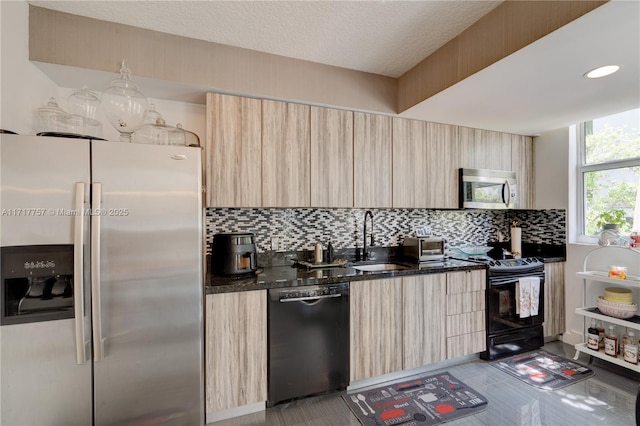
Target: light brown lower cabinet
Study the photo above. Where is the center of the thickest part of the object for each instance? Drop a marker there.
(554, 321)
(404, 323)
(466, 323)
(424, 315)
(236, 349)
(376, 327)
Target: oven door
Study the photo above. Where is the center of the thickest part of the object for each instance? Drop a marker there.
(502, 310)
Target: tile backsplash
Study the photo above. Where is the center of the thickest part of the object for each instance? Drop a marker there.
(295, 229)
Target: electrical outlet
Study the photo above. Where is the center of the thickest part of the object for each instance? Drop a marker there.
(275, 244)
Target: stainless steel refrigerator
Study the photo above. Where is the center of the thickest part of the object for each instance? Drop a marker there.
(101, 287)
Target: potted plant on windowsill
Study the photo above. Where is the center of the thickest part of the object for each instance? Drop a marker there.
(610, 222)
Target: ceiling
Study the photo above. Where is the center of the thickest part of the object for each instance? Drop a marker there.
(536, 89)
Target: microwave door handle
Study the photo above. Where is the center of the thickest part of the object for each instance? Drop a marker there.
(506, 200)
(78, 273)
(96, 305)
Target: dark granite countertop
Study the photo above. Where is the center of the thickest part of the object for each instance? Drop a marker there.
(292, 276)
(279, 272)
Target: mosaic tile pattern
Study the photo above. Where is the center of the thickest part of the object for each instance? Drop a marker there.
(299, 229)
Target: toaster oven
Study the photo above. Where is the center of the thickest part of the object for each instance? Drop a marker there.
(425, 249)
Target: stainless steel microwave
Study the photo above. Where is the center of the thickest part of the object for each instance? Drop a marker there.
(487, 189)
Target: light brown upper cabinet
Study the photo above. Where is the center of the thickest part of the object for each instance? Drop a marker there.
(425, 156)
(484, 149)
(372, 137)
(286, 148)
(233, 151)
(522, 164)
(331, 157)
(409, 167)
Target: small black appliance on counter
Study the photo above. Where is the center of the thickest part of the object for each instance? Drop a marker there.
(233, 254)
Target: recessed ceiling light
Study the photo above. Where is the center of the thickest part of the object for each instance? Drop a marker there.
(602, 71)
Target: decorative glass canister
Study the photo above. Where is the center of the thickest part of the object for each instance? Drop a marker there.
(124, 105)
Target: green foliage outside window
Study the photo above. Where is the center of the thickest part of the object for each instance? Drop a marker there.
(608, 191)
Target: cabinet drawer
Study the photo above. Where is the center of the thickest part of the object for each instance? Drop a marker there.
(461, 282)
(466, 344)
(465, 323)
(461, 303)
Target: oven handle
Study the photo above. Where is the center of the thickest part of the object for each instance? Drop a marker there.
(78, 273)
(493, 282)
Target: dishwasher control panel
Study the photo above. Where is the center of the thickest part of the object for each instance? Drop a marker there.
(309, 292)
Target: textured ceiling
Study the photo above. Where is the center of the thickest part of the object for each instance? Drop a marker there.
(382, 37)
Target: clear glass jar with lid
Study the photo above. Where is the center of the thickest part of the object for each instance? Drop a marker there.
(124, 105)
(156, 131)
(84, 104)
(50, 118)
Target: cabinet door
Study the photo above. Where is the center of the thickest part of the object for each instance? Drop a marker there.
(424, 164)
(285, 154)
(331, 157)
(522, 164)
(466, 315)
(376, 327)
(372, 160)
(410, 184)
(423, 320)
(440, 163)
(554, 321)
(235, 349)
(484, 149)
(233, 151)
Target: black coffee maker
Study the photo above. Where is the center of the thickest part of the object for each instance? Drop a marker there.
(233, 254)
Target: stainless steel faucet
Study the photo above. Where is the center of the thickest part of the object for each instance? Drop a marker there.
(365, 253)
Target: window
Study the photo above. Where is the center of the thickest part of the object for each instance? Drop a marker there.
(609, 172)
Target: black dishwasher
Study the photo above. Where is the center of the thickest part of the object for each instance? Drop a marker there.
(308, 341)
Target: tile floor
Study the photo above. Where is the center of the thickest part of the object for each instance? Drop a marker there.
(607, 398)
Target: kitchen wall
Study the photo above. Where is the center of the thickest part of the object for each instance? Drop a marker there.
(555, 170)
(299, 229)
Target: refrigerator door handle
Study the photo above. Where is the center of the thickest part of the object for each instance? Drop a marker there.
(78, 273)
(96, 306)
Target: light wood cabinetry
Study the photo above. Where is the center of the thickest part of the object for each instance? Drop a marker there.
(263, 153)
(372, 167)
(424, 340)
(376, 327)
(522, 164)
(484, 149)
(554, 316)
(409, 171)
(424, 164)
(286, 152)
(233, 151)
(465, 307)
(235, 349)
(442, 173)
(331, 157)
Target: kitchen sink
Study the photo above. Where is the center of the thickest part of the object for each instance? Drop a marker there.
(376, 267)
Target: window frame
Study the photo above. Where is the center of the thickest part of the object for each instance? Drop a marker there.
(585, 168)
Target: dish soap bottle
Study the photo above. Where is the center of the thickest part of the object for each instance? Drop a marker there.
(593, 336)
(611, 342)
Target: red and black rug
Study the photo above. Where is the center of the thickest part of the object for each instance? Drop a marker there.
(543, 370)
(425, 401)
